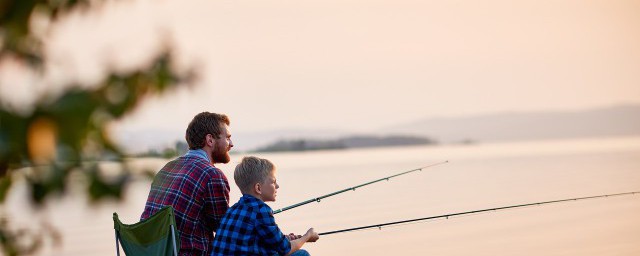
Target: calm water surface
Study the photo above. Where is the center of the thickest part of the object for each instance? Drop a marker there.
(477, 177)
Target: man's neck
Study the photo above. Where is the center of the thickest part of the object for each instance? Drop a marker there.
(202, 152)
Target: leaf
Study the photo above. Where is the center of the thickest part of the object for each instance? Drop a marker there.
(5, 184)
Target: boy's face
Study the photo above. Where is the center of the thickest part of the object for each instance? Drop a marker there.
(269, 188)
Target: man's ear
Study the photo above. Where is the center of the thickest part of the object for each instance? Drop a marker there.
(209, 139)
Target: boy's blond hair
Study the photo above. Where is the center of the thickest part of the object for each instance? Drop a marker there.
(251, 170)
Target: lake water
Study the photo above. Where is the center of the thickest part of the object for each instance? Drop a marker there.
(477, 177)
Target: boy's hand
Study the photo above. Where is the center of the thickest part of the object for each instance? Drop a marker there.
(293, 236)
(312, 235)
(296, 244)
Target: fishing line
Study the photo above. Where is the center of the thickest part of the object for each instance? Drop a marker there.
(318, 199)
(447, 216)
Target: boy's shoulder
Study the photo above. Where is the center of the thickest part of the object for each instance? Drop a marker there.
(251, 205)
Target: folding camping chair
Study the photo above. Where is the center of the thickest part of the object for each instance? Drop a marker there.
(153, 236)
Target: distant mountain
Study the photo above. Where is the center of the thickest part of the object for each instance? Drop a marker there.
(244, 141)
(136, 141)
(344, 143)
(612, 121)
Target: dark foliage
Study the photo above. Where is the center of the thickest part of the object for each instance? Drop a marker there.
(67, 134)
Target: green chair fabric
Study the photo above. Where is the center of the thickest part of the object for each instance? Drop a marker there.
(153, 236)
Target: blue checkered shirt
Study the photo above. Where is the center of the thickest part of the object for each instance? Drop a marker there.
(248, 228)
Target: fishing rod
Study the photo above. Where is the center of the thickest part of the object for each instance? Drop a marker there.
(446, 216)
(317, 199)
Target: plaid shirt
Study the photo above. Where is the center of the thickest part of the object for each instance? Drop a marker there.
(249, 228)
(199, 194)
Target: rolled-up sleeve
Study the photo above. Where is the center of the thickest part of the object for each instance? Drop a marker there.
(269, 233)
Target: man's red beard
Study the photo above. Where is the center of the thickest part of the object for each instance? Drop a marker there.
(220, 155)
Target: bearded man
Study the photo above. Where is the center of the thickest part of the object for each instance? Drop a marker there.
(193, 186)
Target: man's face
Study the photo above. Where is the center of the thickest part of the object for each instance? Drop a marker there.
(221, 147)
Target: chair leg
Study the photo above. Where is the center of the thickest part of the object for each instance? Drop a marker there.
(117, 245)
(173, 239)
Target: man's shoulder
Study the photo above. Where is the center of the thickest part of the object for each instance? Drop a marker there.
(195, 166)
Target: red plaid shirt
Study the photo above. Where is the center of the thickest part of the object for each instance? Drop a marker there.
(199, 194)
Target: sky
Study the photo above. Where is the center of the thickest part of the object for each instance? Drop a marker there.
(351, 65)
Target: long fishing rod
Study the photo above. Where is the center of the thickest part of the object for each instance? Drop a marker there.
(446, 216)
(317, 199)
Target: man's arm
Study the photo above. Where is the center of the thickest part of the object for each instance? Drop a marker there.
(310, 236)
(216, 201)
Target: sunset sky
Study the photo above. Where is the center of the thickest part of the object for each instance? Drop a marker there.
(354, 65)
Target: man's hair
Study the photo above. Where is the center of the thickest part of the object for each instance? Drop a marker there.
(203, 124)
(250, 171)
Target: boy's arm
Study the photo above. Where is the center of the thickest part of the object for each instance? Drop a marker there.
(310, 236)
(270, 236)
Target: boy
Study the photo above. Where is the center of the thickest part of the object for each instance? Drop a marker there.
(248, 227)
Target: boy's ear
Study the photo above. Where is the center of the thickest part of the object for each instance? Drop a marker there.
(257, 188)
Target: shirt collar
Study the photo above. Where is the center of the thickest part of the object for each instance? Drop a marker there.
(249, 199)
(198, 153)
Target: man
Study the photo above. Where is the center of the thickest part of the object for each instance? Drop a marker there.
(197, 190)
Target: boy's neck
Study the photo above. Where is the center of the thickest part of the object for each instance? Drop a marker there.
(254, 195)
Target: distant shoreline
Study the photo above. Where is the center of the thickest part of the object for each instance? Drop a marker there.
(360, 141)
